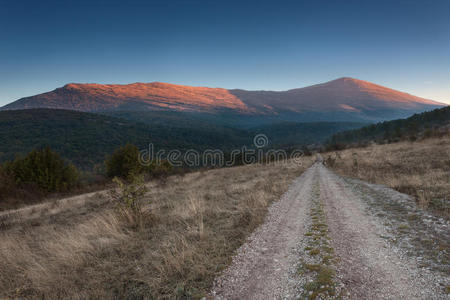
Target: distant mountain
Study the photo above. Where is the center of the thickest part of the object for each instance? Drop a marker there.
(136, 96)
(431, 123)
(343, 99)
(340, 99)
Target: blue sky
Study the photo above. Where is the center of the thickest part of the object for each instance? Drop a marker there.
(273, 45)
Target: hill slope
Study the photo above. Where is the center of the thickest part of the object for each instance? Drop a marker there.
(136, 96)
(86, 138)
(342, 99)
(294, 134)
(396, 129)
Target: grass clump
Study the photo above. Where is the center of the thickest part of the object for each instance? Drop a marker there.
(314, 252)
(447, 289)
(320, 253)
(312, 267)
(323, 283)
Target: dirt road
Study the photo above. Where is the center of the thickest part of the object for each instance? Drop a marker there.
(325, 239)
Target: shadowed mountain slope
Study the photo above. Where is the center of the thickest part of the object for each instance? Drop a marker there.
(344, 99)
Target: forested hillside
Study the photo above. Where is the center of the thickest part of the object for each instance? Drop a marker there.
(292, 134)
(423, 124)
(86, 138)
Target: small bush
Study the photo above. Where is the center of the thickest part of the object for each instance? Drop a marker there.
(330, 161)
(160, 170)
(42, 169)
(5, 182)
(128, 198)
(11, 196)
(124, 162)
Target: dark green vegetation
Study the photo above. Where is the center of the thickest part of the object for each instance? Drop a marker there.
(426, 124)
(83, 138)
(188, 120)
(291, 134)
(125, 163)
(86, 139)
(39, 173)
(238, 129)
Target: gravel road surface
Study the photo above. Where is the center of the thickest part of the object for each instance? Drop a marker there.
(368, 266)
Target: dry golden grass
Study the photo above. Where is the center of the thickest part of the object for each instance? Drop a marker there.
(420, 169)
(80, 248)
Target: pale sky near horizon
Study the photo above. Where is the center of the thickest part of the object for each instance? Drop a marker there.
(255, 45)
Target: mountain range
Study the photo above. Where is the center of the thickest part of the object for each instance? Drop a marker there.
(86, 122)
(343, 99)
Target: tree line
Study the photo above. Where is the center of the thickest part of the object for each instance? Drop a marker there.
(43, 172)
(423, 125)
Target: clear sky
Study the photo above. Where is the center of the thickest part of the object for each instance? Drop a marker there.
(273, 45)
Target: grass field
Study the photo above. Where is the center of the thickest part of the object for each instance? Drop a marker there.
(420, 169)
(80, 248)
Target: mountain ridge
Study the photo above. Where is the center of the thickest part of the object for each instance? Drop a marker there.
(346, 96)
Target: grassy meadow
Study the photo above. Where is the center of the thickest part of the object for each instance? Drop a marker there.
(82, 248)
(419, 168)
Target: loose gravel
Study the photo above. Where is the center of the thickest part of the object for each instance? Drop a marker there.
(265, 267)
(367, 264)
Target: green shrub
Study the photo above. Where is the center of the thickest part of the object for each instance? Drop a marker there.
(13, 196)
(43, 169)
(128, 197)
(160, 170)
(124, 162)
(6, 183)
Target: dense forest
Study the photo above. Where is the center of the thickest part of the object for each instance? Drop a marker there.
(85, 139)
(419, 125)
(292, 134)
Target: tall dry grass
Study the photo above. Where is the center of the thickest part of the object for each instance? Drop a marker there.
(420, 169)
(80, 248)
